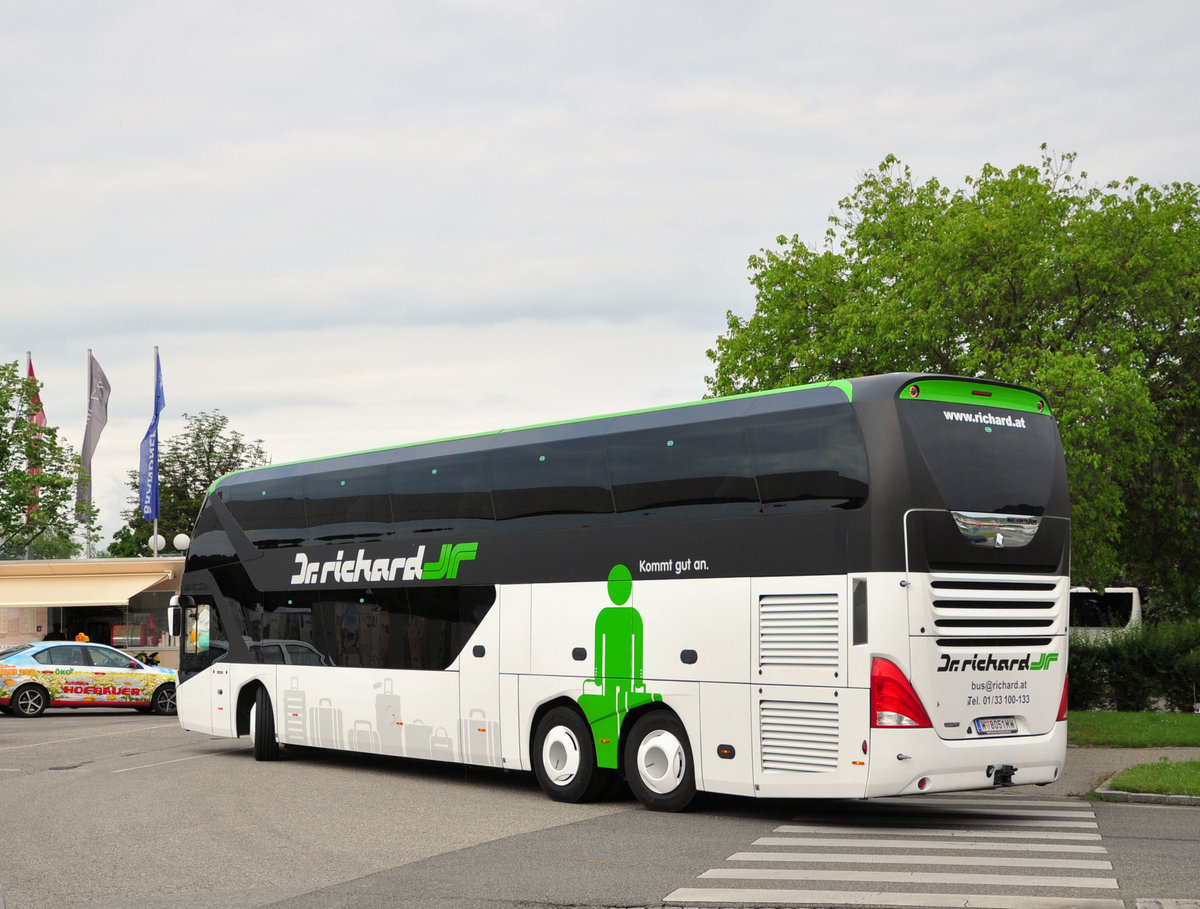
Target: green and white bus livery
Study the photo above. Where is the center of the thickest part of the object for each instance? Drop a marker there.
(851, 589)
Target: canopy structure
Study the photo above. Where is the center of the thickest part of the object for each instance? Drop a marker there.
(85, 582)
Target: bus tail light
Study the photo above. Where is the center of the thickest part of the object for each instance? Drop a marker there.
(1062, 705)
(894, 703)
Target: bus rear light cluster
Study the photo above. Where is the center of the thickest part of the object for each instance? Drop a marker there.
(894, 703)
(1062, 705)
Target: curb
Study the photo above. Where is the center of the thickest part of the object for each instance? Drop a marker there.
(1148, 798)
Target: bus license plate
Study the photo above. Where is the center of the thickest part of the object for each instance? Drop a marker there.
(996, 725)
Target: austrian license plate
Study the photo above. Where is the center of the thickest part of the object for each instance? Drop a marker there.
(996, 725)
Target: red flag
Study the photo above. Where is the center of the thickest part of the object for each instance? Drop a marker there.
(38, 419)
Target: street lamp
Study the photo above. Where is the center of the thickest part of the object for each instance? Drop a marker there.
(182, 541)
(157, 544)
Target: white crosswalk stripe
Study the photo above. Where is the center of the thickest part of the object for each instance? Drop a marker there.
(978, 852)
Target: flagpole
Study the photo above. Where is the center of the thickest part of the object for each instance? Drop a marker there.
(28, 370)
(87, 534)
(154, 537)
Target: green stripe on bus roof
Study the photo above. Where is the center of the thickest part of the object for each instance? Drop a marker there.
(841, 384)
(967, 392)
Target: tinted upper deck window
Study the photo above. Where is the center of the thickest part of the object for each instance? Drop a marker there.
(440, 489)
(692, 464)
(566, 476)
(808, 455)
(348, 504)
(270, 510)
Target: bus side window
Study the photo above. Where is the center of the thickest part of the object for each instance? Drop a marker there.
(197, 621)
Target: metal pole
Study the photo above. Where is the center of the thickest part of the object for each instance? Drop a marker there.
(154, 538)
(88, 503)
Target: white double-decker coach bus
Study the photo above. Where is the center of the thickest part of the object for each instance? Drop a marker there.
(857, 588)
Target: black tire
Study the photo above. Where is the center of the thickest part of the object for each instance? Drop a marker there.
(564, 758)
(162, 701)
(658, 762)
(30, 701)
(262, 728)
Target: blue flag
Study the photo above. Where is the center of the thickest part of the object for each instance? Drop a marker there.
(148, 463)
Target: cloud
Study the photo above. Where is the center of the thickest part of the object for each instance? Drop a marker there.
(356, 225)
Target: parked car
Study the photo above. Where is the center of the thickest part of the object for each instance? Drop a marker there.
(71, 674)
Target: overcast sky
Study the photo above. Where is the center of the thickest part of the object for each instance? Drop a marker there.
(350, 225)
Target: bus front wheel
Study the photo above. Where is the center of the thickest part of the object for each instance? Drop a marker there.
(262, 728)
(564, 757)
(658, 762)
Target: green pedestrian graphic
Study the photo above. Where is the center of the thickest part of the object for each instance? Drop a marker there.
(618, 669)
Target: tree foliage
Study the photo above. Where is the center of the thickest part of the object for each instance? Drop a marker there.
(37, 511)
(188, 464)
(1088, 293)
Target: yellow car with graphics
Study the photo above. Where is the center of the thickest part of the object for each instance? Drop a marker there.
(74, 674)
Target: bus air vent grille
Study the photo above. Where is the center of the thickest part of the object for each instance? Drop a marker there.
(798, 630)
(798, 736)
(991, 603)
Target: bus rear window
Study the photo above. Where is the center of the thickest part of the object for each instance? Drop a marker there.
(986, 459)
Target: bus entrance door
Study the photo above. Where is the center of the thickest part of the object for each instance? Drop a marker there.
(479, 695)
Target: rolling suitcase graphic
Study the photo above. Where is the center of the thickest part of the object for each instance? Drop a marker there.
(363, 738)
(294, 725)
(387, 718)
(326, 724)
(480, 739)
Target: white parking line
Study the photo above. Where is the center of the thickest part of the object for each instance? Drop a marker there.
(175, 760)
(82, 738)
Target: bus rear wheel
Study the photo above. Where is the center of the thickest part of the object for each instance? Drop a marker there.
(564, 757)
(262, 728)
(658, 762)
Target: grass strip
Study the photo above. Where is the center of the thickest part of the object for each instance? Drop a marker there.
(1132, 730)
(1160, 778)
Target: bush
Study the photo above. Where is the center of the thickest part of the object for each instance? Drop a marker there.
(1154, 666)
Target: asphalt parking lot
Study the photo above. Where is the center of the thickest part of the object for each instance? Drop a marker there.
(113, 808)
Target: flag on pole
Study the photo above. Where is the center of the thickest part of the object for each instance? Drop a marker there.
(97, 418)
(38, 418)
(148, 463)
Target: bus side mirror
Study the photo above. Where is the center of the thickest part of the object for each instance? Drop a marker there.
(175, 614)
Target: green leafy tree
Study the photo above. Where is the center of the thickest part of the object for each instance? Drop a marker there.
(37, 511)
(1091, 294)
(188, 464)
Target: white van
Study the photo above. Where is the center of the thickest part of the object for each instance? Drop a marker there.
(1094, 613)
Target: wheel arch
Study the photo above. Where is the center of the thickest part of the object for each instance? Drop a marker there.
(247, 695)
(541, 711)
(24, 686)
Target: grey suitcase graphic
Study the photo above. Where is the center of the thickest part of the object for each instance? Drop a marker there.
(480, 739)
(416, 739)
(362, 737)
(388, 719)
(441, 746)
(326, 724)
(295, 725)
